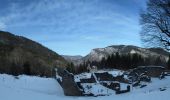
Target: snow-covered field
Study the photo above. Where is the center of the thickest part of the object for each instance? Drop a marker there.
(36, 88)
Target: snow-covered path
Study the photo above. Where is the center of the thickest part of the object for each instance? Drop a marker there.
(36, 88)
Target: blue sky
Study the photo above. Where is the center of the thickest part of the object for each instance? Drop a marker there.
(73, 27)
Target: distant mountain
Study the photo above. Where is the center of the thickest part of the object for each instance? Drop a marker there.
(19, 55)
(74, 59)
(99, 53)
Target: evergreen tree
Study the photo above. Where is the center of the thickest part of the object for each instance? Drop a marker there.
(27, 68)
(158, 61)
(117, 60)
(70, 67)
(102, 63)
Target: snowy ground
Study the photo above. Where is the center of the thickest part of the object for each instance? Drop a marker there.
(36, 88)
(86, 75)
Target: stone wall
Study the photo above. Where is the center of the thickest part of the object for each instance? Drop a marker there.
(88, 80)
(104, 76)
(152, 71)
(68, 84)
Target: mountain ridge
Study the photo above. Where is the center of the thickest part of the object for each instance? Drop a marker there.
(98, 53)
(73, 59)
(20, 55)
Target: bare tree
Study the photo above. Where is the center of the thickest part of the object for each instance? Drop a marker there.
(155, 23)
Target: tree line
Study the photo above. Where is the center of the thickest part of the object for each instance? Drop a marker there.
(127, 61)
(119, 61)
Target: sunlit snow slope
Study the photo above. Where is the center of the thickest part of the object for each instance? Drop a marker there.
(36, 88)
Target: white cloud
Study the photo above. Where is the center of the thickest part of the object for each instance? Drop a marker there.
(81, 21)
(2, 26)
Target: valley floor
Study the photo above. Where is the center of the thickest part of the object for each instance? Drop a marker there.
(35, 88)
